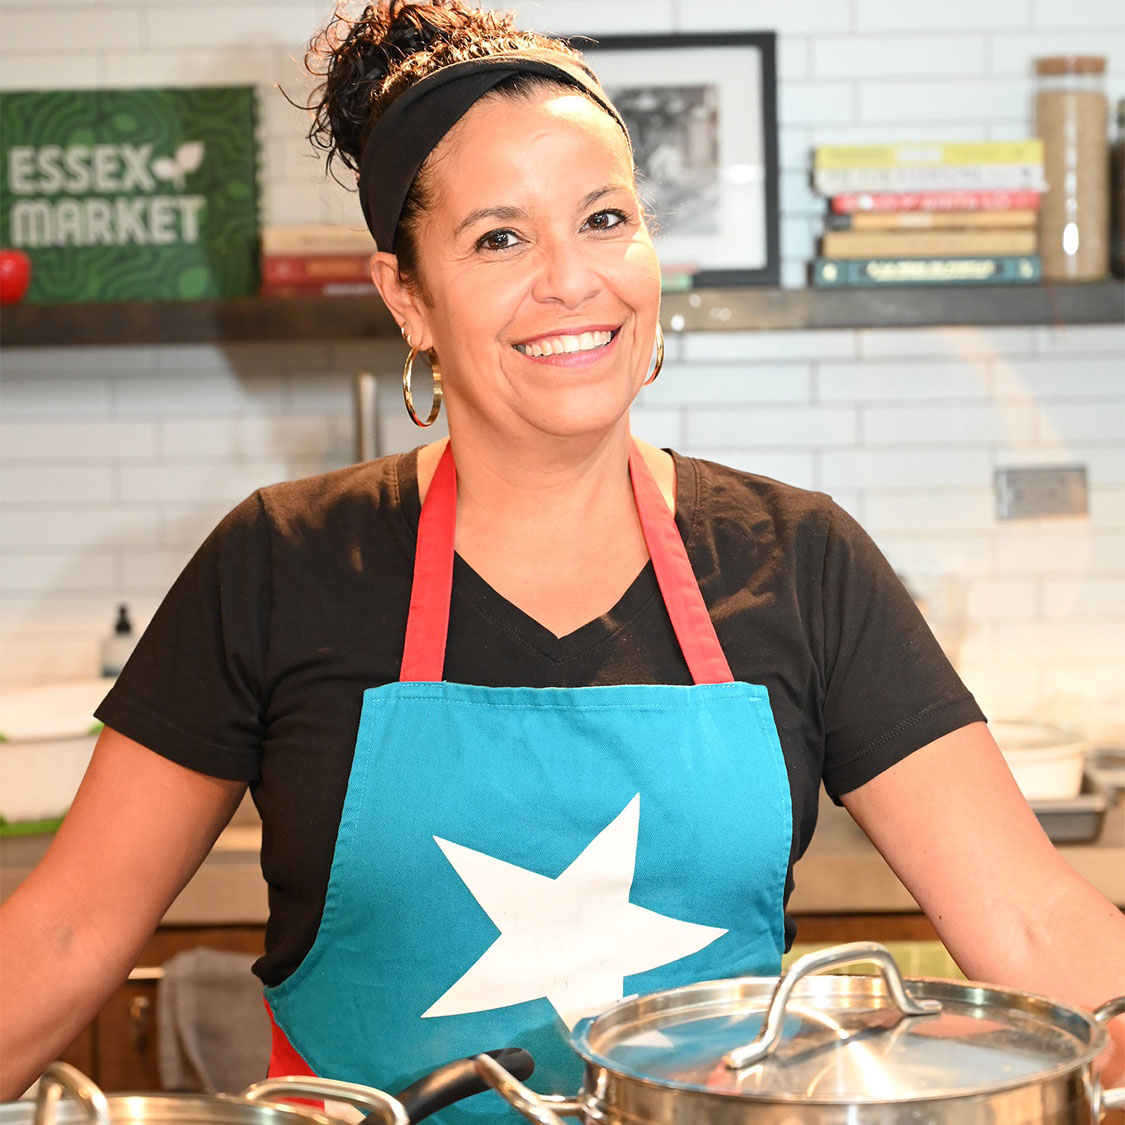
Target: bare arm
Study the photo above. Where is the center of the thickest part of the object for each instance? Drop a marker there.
(953, 825)
(139, 827)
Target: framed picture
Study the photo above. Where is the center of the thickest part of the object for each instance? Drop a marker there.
(702, 112)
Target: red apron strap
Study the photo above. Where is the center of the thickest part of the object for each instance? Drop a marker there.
(423, 654)
(427, 626)
(682, 598)
(284, 1057)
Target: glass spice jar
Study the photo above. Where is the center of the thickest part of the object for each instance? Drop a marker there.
(1071, 117)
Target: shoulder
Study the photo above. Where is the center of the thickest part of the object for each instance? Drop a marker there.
(756, 529)
(319, 516)
(364, 491)
(764, 508)
(378, 481)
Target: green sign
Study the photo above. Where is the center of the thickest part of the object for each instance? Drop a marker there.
(120, 195)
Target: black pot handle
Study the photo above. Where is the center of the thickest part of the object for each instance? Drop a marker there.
(458, 1080)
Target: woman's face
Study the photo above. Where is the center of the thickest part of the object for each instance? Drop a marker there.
(538, 285)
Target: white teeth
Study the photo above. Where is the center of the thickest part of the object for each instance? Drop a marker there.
(562, 345)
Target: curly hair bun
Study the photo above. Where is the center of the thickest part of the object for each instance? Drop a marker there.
(366, 62)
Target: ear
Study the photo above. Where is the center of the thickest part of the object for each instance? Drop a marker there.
(403, 299)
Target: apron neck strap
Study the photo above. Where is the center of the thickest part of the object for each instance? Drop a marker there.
(678, 585)
(427, 626)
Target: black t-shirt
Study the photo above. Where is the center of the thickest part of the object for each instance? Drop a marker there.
(254, 667)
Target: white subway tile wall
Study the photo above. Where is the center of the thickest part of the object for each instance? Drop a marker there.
(117, 461)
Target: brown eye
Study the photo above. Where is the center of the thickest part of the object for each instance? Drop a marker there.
(497, 240)
(605, 220)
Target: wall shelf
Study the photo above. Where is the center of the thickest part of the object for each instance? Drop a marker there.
(900, 307)
(359, 318)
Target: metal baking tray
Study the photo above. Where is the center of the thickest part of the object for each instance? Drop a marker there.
(1107, 764)
(1075, 820)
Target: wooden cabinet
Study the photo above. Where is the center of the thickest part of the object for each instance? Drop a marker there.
(118, 1049)
(839, 928)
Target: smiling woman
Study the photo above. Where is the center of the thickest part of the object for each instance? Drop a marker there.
(536, 717)
(534, 260)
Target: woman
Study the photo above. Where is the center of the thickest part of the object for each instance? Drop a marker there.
(504, 787)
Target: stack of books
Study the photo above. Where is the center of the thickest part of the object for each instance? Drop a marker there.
(924, 214)
(321, 260)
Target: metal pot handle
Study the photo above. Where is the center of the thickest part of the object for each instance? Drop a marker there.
(1115, 1098)
(388, 1108)
(60, 1078)
(535, 1107)
(770, 1035)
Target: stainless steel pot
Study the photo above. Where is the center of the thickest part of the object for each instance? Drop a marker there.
(832, 1050)
(88, 1104)
(67, 1097)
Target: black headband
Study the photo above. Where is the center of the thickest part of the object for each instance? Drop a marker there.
(418, 119)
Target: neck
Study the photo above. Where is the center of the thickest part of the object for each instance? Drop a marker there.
(544, 509)
(511, 478)
(555, 532)
(550, 481)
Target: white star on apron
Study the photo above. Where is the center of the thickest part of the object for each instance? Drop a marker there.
(572, 939)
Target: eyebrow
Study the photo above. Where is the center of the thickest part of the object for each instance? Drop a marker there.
(507, 214)
(502, 213)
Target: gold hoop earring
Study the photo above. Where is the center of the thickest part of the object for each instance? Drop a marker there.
(659, 356)
(407, 393)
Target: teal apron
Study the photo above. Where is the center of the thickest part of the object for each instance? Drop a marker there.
(510, 860)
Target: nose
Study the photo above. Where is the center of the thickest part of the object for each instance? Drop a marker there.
(565, 274)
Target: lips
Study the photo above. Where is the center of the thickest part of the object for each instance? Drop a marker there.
(577, 343)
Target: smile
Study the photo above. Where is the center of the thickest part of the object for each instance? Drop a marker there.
(566, 345)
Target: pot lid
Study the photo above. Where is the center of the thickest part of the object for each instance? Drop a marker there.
(837, 1038)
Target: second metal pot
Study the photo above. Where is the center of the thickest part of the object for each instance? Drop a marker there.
(67, 1097)
(833, 1050)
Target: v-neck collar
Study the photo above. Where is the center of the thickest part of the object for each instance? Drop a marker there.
(508, 617)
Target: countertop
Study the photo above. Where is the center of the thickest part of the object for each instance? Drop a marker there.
(840, 874)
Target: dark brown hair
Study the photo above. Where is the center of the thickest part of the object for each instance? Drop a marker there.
(367, 62)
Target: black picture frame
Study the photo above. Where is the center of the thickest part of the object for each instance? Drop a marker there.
(719, 225)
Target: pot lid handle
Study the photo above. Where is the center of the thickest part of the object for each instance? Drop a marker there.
(770, 1035)
(387, 1108)
(61, 1078)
